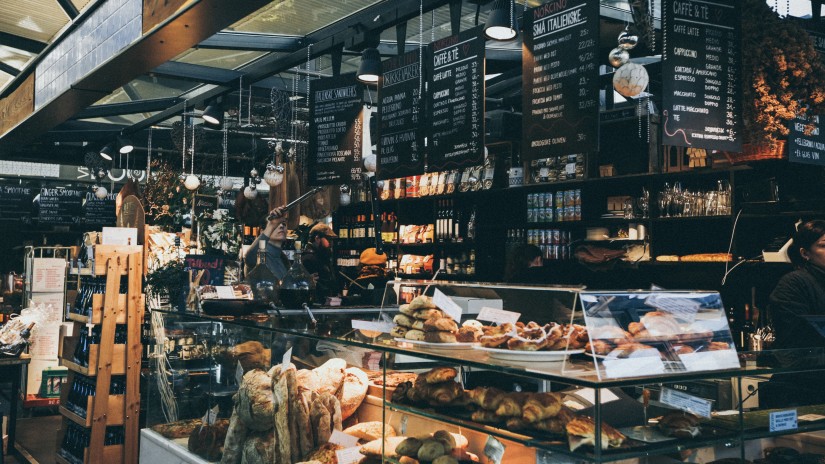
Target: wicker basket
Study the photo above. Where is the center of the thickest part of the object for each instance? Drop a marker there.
(752, 152)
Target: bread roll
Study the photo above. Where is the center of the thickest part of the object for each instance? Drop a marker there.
(398, 331)
(373, 448)
(428, 313)
(409, 447)
(405, 309)
(421, 302)
(446, 439)
(413, 334)
(418, 324)
(403, 320)
(430, 449)
(446, 459)
(440, 337)
(446, 324)
(354, 392)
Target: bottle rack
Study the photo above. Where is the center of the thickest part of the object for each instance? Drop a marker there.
(100, 421)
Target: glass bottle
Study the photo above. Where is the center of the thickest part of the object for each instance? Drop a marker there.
(298, 285)
(263, 282)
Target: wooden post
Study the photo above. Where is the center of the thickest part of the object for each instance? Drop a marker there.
(135, 307)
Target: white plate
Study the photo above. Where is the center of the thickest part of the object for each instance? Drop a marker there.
(516, 355)
(438, 346)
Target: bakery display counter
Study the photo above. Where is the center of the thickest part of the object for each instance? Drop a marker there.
(546, 390)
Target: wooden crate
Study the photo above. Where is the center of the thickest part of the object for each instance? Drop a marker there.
(118, 357)
(110, 454)
(97, 310)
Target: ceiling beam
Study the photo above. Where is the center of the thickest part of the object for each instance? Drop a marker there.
(196, 72)
(68, 8)
(252, 42)
(117, 109)
(21, 43)
(9, 69)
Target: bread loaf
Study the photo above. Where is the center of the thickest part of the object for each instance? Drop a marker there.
(331, 376)
(259, 448)
(235, 437)
(280, 395)
(254, 401)
(354, 391)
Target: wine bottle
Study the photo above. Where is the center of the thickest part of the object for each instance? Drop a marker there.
(747, 328)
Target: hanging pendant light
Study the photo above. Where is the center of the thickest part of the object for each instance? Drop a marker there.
(125, 145)
(370, 67)
(213, 114)
(107, 152)
(501, 21)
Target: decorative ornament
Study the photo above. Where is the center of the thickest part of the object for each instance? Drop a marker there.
(192, 182)
(371, 162)
(226, 184)
(250, 192)
(630, 79)
(346, 195)
(380, 184)
(100, 191)
(618, 57)
(274, 174)
(253, 173)
(101, 174)
(628, 41)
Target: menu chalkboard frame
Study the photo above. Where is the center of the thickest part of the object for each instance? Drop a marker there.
(407, 74)
(346, 90)
(22, 208)
(102, 204)
(692, 117)
(560, 80)
(458, 149)
(67, 211)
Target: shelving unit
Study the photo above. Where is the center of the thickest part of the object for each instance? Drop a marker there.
(106, 359)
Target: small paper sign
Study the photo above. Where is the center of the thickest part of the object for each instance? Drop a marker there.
(239, 373)
(676, 305)
(286, 360)
(633, 367)
(211, 416)
(494, 449)
(349, 455)
(373, 326)
(710, 360)
(403, 425)
(343, 439)
(781, 421)
(225, 292)
(447, 305)
(499, 316)
(692, 404)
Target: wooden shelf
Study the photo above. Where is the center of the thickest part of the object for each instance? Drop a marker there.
(97, 310)
(118, 358)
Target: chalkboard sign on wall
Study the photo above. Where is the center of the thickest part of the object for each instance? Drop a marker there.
(335, 130)
(60, 206)
(701, 75)
(16, 203)
(401, 140)
(560, 79)
(100, 211)
(456, 101)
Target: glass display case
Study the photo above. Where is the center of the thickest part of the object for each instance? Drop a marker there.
(551, 374)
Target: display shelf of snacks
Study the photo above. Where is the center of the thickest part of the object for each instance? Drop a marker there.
(453, 353)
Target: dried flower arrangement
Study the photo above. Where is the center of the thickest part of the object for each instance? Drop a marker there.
(782, 71)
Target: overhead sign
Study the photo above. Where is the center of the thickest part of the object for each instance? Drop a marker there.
(701, 75)
(560, 79)
(335, 130)
(456, 101)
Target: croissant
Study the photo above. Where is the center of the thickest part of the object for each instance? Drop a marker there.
(483, 415)
(516, 423)
(540, 406)
(555, 424)
(486, 397)
(439, 374)
(511, 404)
(443, 393)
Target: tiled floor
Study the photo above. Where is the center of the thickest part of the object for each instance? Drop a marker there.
(38, 436)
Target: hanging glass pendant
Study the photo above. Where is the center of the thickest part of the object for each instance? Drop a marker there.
(192, 182)
(226, 184)
(250, 192)
(274, 174)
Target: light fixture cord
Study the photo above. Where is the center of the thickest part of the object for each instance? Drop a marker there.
(293, 107)
(420, 45)
(309, 53)
(240, 102)
(432, 25)
(512, 6)
(149, 154)
(183, 145)
(225, 149)
(249, 106)
(192, 160)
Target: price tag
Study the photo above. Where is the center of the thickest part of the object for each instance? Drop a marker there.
(286, 360)
(239, 373)
(210, 416)
(225, 292)
(494, 449)
(373, 326)
(403, 424)
(783, 420)
(498, 316)
(343, 439)
(570, 169)
(349, 455)
(692, 404)
(447, 305)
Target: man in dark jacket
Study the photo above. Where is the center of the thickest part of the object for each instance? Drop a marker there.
(317, 259)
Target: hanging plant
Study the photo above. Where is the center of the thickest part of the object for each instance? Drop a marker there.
(782, 74)
(164, 199)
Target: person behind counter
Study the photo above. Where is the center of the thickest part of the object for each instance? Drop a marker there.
(317, 259)
(801, 293)
(274, 233)
(523, 264)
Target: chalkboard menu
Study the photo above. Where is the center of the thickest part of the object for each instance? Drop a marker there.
(560, 79)
(806, 148)
(60, 206)
(16, 203)
(100, 211)
(401, 137)
(335, 130)
(456, 101)
(205, 204)
(701, 75)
